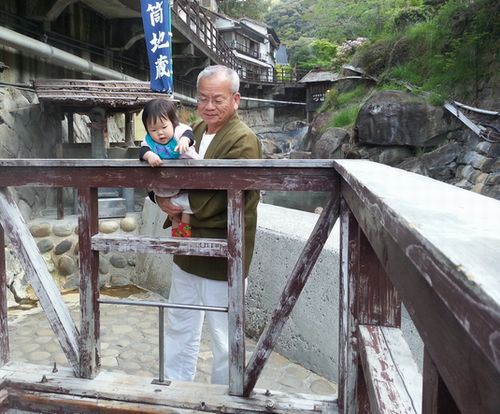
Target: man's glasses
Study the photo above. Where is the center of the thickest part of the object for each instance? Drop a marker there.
(216, 101)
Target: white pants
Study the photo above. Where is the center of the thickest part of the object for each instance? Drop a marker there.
(183, 327)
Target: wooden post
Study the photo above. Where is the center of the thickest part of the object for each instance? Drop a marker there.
(236, 289)
(89, 283)
(71, 128)
(436, 398)
(129, 129)
(98, 123)
(367, 297)
(4, 331)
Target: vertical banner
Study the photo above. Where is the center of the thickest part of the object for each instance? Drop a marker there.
(156, 19)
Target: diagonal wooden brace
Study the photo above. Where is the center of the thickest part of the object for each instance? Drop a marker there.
(39, 277)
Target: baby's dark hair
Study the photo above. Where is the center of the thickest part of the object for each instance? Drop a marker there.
(157, 109)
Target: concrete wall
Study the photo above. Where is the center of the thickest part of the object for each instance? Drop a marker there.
(310, 337)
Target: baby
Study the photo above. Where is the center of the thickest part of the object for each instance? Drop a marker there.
(167, 138)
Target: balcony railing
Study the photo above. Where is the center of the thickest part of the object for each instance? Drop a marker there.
(404, 239)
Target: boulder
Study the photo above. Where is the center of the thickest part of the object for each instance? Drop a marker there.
(400, 118)
(314, 132)
(329, 144)
(440, 164)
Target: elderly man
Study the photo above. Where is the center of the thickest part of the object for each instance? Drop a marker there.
(203, 280)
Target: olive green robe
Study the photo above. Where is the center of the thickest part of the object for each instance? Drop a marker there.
(235, 140)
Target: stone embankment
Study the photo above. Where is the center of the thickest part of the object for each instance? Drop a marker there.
(57, 241)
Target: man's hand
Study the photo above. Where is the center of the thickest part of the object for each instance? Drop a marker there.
(166, 205)
(152, 159)
(182, 145)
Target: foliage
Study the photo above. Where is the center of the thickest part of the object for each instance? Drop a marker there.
(346, 117)
(254, 9)
(286, 17)
(311, 54)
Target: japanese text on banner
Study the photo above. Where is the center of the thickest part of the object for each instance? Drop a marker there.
(156, 19)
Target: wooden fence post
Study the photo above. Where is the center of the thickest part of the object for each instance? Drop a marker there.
(435, 395)
(236, 289)
(4, 331)
(89, 283)
(366, 297)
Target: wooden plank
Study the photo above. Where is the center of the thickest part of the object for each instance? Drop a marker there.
(393, 382)
(367, 297)
(436, 398)
(190, 246)
(4, 401)
(292, 290)
(4, 328)
(463, 273)
(236, 289)
(50, 403)
(237, 174)
(89, 283)
(39, 277)
(124, 388)
(441, 291)
(348, 354)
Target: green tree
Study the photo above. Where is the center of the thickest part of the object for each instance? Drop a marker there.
(313, 53)
(254, 9)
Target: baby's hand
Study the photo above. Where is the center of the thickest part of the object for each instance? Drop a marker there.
(153, 159)
(182, 145)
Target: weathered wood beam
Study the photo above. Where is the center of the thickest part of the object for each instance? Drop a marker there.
(39, 277)
(236, 174)
(436, 398)
(292, 290)
(393, 382)
(157, 245)
(367, 297)
(236, 292)
(89, 283)
(23, 379)
(438, 296)
(4, 328)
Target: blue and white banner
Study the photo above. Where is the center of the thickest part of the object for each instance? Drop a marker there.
(157, 22)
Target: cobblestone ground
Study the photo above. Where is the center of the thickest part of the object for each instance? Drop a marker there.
(129, 344)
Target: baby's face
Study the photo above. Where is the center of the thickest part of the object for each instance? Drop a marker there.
(161, 130)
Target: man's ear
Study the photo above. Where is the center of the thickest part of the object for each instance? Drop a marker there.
(237, 99)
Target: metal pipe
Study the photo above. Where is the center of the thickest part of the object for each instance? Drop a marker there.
(162, 305)
(161, 344)
(53, 55)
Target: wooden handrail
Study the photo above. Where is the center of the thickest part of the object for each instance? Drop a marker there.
(404, 238)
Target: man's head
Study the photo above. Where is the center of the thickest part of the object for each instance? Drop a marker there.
(218, 96)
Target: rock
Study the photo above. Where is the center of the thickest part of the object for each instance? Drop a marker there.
(119, 280)
(62, 230)
(317, 126)
(45, 245)
(300, 155)
(49, 262)
(131, 261)
(66, 265)
(103, 266)
(329, 144)
(394, 155)
(118, 261)
(40, 229)
(76, 250)
(108, 226)
(72, 282)
(400, 118)
(63, 246)
(128, 224)
(439, 164)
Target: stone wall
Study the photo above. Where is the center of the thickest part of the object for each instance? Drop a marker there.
(57, 241)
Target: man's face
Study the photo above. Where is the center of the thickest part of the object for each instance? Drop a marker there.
(216, 102)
